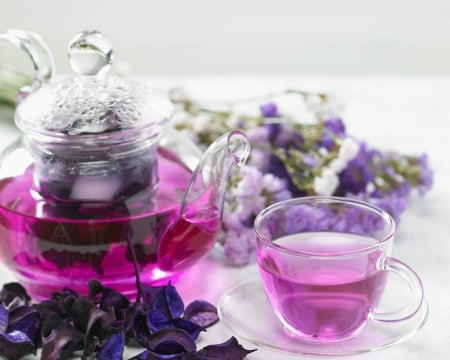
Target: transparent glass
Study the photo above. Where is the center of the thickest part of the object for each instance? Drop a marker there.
(88, 193)
(324, 263)
(51, 243)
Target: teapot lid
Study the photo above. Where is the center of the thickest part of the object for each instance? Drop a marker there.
(91, 102)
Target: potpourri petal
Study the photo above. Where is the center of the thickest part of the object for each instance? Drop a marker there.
(68, 325)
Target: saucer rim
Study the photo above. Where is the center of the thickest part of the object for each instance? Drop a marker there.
(422, 315)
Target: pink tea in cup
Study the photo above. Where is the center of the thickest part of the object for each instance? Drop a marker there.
(331, 300)
(324, 264)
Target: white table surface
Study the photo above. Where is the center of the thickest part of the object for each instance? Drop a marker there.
(407, 114)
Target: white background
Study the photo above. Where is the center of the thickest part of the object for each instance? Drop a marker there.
(253, 36)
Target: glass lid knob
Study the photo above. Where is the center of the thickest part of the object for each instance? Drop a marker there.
(90, 53)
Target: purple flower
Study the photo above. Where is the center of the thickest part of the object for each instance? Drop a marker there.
(14, 341)
(336, 126)
(358, 173)
(283, 135)
(333, 128)
(392, 203)
(259, 159)
(310, 160)
(403, 189)
(239, 247)
(258, 134)
(269, 110)
(426, 175)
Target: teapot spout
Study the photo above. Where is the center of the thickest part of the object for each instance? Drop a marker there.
(197, 226)
(209, 180)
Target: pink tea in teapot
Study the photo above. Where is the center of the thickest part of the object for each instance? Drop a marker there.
(53, 245)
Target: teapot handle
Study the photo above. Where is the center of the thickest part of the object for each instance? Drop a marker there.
(37, 50)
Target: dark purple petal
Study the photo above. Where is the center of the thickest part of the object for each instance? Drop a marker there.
(149, 294)
(169, 347)
(229, 350)
(25, 319)
(150, 355)
(157, 320)
(138, 327)
(169, 301)
(172, 338)
(97, 328)
(4, 318)
(95, 289)
(114, 301)
(16, 345)
(59, 338)
(60, 343)
(13, 295)
(190, 327)
(113, 348)
(47, 308)
(85, 314)
(201, 313)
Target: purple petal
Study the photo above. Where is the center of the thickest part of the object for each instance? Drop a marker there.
(169, 348)
(190, 327)
(59, 338)
(16, 345)
(25, 319)
(149, 294)
(150, 355)
(114, 300)
(13, 295)
(229, 350)
(157, 320)
(85, 314)
(113, 348)
(269, 110)
(336, 126)
(202, 313)
(172, 338)
(4, 318)
(95, 289)
(139, 328)
(169, 301)
(107, 297)
(56, 344)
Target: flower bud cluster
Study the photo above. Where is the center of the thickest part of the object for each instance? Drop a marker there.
(293, 156)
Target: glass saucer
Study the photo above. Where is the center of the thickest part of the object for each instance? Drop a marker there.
(245, 310)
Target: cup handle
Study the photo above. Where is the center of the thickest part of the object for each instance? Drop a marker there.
(414, 283)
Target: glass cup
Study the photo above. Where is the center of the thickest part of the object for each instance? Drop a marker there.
(324, 264)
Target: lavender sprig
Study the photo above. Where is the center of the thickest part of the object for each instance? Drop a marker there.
(306, 152)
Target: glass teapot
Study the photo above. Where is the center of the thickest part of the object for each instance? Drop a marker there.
(87, 192)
